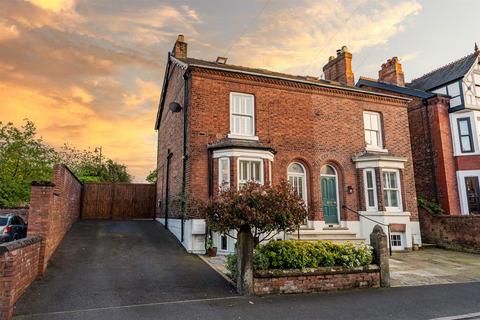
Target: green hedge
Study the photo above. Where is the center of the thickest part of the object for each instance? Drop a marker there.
(294, 254)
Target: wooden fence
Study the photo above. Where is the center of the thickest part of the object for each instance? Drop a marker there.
(118, 201)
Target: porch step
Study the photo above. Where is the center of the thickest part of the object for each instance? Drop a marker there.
(337, 235)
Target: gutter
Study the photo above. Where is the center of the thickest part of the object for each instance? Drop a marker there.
(351, 89)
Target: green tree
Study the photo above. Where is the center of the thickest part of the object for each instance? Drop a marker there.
(152, 176)
(23, 159)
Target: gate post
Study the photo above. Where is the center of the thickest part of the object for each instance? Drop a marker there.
(379, 242)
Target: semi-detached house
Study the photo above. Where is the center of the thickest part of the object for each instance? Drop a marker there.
(344, 149)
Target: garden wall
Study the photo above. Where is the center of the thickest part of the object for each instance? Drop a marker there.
(21, 211)
(19, 261)
(315, 280)
(54, 207)
(451, 232)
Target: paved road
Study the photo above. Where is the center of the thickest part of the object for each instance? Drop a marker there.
(116, 263)
(136, 270)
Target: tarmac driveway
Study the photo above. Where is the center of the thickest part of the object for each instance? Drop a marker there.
(108, 264)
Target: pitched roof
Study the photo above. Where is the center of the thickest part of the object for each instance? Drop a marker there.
(278, 75)
(393, 88)
(238, 143)
(448, 73)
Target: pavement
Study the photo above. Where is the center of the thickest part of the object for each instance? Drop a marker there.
(105, 264)
(433, 266)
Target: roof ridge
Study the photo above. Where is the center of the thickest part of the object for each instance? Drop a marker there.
(444, 66)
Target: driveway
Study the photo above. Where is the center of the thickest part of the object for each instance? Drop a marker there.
(433, 266)
(112, 264)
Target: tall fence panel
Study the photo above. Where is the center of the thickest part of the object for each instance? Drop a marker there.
(118, 201)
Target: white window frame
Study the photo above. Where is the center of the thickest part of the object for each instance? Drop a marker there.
(304, 180)
(220, 238)
(374, 188)
(474, 126)
(261, 171)
(399, 189)
(235, 135)
(220, 176)
(379, 132)
(401, 237)
(470, 136)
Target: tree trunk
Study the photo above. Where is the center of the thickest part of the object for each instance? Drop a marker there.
(245, 245)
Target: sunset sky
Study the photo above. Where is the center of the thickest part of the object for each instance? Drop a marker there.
(89, 72)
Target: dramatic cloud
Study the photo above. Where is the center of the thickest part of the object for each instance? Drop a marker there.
(89, 72)
(300, 39)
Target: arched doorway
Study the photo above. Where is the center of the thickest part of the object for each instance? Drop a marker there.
(329, 186)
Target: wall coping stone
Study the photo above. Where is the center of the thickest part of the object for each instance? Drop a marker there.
(14, 208)
(43, 184)
(280, 273)
(18, 244)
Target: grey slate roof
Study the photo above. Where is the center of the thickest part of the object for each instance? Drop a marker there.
(238, 143)
(393, 88)
(450, 72)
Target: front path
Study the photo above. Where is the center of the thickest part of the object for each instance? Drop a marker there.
(111, 264)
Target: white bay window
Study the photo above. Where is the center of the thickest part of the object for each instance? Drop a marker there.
(249, 170)
(224, 173)
(370, 189)
(391, 190)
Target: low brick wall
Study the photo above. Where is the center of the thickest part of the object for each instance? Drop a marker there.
(19, 262)
(451, 232)
(21, 211)
(315, 280)
(54, 207)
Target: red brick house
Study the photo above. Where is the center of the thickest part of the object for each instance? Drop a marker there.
(337, 144)
(444, 119)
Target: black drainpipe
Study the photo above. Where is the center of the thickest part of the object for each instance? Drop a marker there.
(432, 157)
(185, 156)
(167, 200)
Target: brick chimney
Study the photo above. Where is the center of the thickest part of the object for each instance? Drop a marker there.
(180, 48)
(340, 68)
(392, 73)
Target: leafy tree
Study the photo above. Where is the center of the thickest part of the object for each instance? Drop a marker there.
(256, 212)
(23, 159)
(152, 176)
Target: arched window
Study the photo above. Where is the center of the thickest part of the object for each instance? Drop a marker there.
(297, 176)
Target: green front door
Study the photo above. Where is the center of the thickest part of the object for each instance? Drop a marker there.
(329, 199)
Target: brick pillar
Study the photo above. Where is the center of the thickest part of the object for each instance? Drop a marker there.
(379, 242)
(445, 168)
(41, 200)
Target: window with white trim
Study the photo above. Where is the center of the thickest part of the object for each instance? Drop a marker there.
(370, 189)
(249, 170)
(476, 78)
(242, 114)
(224, 242)
(391, 190)
(454, 91)
(224, 173)
(396, 240)
(373, 129)
(297, 177)
(465, 135)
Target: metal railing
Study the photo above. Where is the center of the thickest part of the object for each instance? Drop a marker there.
(375, 221)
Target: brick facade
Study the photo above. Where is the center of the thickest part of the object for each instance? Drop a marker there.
(54, 207)
(298, 121)
(19, 262)
(315, 280)
(451, 232)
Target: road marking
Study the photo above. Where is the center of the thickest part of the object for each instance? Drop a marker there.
(468, 316)
(129, 306)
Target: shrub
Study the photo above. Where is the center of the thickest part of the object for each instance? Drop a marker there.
(294, 254)
(431, 206)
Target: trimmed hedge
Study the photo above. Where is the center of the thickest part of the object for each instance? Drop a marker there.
(295, 254)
